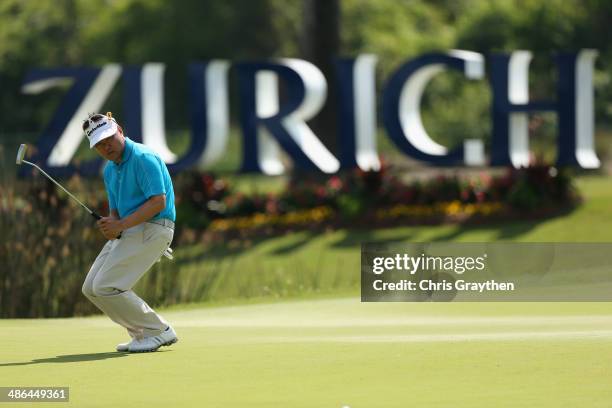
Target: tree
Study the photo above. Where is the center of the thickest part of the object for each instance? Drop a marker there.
(320, 45)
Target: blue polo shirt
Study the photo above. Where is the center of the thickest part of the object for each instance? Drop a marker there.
(140, 175)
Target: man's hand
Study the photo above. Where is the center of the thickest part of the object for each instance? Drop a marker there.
(110, 227)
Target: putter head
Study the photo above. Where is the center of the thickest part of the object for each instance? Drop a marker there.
(21, 153)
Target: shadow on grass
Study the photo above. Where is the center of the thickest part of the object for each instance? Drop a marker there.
(514, 231)
(502, 231)
(222, 250)
(69, 358)
(299, 240)
(354, 238)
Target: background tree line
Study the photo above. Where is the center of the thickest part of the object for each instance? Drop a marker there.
(47, 33)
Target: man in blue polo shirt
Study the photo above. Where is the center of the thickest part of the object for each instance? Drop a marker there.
(139, 229)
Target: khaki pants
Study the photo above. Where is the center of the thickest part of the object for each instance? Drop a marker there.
(118, 267)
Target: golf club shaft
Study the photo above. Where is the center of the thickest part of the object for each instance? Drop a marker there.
(93, 213)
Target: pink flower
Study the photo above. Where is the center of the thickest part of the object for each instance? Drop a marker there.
(335, 183)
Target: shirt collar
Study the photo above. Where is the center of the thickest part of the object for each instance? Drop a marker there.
(127, 151)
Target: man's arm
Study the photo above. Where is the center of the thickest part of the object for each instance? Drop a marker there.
(111, 227)
(154, 205)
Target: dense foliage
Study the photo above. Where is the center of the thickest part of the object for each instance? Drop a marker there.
(83, 32)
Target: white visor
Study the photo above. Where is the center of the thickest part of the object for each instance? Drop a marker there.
(100, 130)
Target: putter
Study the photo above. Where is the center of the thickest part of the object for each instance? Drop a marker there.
(20, 155)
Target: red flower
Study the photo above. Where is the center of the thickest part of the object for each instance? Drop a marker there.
(321, 192)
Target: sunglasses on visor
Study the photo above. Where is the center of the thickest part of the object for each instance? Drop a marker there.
(92, 120)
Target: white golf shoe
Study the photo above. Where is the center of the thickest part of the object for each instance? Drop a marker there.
(152, 343)
(124, 346)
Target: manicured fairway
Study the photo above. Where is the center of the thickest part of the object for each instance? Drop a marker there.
(329, 353)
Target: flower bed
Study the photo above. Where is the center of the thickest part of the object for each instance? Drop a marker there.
(370, 199)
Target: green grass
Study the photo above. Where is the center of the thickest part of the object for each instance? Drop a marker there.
(329, 353)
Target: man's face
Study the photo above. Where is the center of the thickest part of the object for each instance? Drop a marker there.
(111, 148)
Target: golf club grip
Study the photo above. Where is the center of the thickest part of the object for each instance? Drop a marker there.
(97, 217)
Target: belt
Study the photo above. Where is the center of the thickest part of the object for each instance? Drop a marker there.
(163, 221)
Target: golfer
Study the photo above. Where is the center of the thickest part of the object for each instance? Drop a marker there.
(139, 230)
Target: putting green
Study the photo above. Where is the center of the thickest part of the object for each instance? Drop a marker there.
(329, 353)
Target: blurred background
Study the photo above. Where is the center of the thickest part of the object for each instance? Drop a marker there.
(243, 236)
